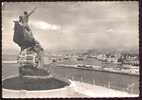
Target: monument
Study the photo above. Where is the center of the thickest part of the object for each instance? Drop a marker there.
(31, 55)
(33, 76)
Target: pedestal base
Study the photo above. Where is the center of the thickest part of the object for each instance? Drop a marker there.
(31, 84)
(32, 71)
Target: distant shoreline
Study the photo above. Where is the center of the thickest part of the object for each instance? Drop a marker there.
(137, 74)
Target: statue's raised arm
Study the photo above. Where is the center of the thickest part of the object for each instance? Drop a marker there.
(32, 11)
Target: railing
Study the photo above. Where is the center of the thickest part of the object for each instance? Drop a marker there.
(107, 79)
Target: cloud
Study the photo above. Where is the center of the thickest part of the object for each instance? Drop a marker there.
(77, 25)
(44, 25)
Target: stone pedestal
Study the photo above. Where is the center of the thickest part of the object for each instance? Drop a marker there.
(29, 87)
(32, 71)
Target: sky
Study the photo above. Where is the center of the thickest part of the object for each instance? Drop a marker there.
(75, 25)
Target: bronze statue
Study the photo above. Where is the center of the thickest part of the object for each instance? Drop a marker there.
(31, 55)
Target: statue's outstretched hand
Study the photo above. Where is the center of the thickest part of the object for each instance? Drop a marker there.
(32, 11)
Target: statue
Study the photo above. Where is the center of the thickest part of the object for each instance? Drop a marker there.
(31, 54)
